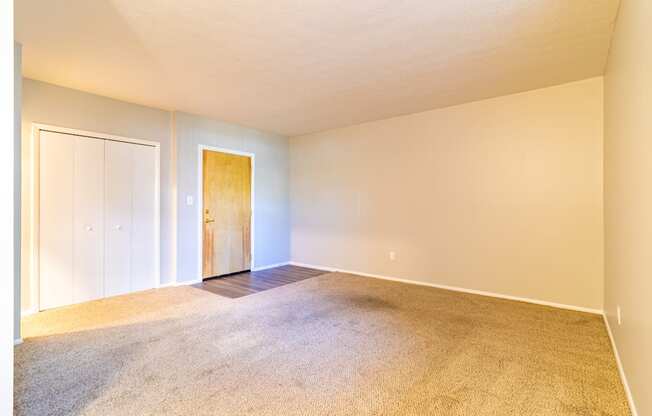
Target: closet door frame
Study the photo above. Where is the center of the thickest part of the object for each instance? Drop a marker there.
(35, 163)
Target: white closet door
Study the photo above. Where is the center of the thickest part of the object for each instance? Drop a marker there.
(119, 177)
(98, 218)
(144, 221)
(88, 220)
(57, 161)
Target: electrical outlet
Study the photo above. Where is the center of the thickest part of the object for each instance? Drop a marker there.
(392, 255)
(620, 319)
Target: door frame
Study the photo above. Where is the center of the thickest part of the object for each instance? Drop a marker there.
(200, 203)
(34, 209)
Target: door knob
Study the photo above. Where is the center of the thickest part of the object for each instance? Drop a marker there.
(118, 227)
(207, 218)
(89, 228)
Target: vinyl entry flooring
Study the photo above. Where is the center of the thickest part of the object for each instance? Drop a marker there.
(242, 284)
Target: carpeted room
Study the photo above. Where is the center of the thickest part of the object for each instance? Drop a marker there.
(334, 344)
(376, 208)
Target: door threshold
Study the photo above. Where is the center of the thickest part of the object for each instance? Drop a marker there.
(226, 275)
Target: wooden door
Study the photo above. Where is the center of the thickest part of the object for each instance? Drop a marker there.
(226, 213)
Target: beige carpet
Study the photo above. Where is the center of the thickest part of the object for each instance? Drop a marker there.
(332, 345)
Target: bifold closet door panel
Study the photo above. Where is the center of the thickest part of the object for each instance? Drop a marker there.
(88, 221)
(118, 179)
(56, 187)
(144, 221)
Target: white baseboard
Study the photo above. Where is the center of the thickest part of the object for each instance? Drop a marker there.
(269, 266)
(28, 312)
(184, 283)
(454, 288)
(188, 283)
(319, 267)
(621, 370)
(18, 341)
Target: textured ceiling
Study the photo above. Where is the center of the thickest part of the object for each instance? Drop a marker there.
(297, 66)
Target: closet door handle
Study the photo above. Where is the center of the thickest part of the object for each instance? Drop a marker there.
(89, 228)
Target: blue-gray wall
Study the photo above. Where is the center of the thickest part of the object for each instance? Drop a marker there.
(271, 183)
(180, 134)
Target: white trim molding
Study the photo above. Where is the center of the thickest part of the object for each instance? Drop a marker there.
(37, 127)
(18, 341)
(621, 369)
(200, 202)
(27, 312)
(454, 288)
(188, 282)
(182, 283)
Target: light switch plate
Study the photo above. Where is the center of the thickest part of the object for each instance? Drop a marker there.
(190, 200)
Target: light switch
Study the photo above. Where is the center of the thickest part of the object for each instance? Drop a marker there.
(189, 200)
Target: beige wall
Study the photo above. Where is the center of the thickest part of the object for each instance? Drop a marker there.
(50, 104)
(502, 195)
(628, 195)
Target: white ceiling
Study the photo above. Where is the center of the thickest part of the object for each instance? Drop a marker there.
(299, 66)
